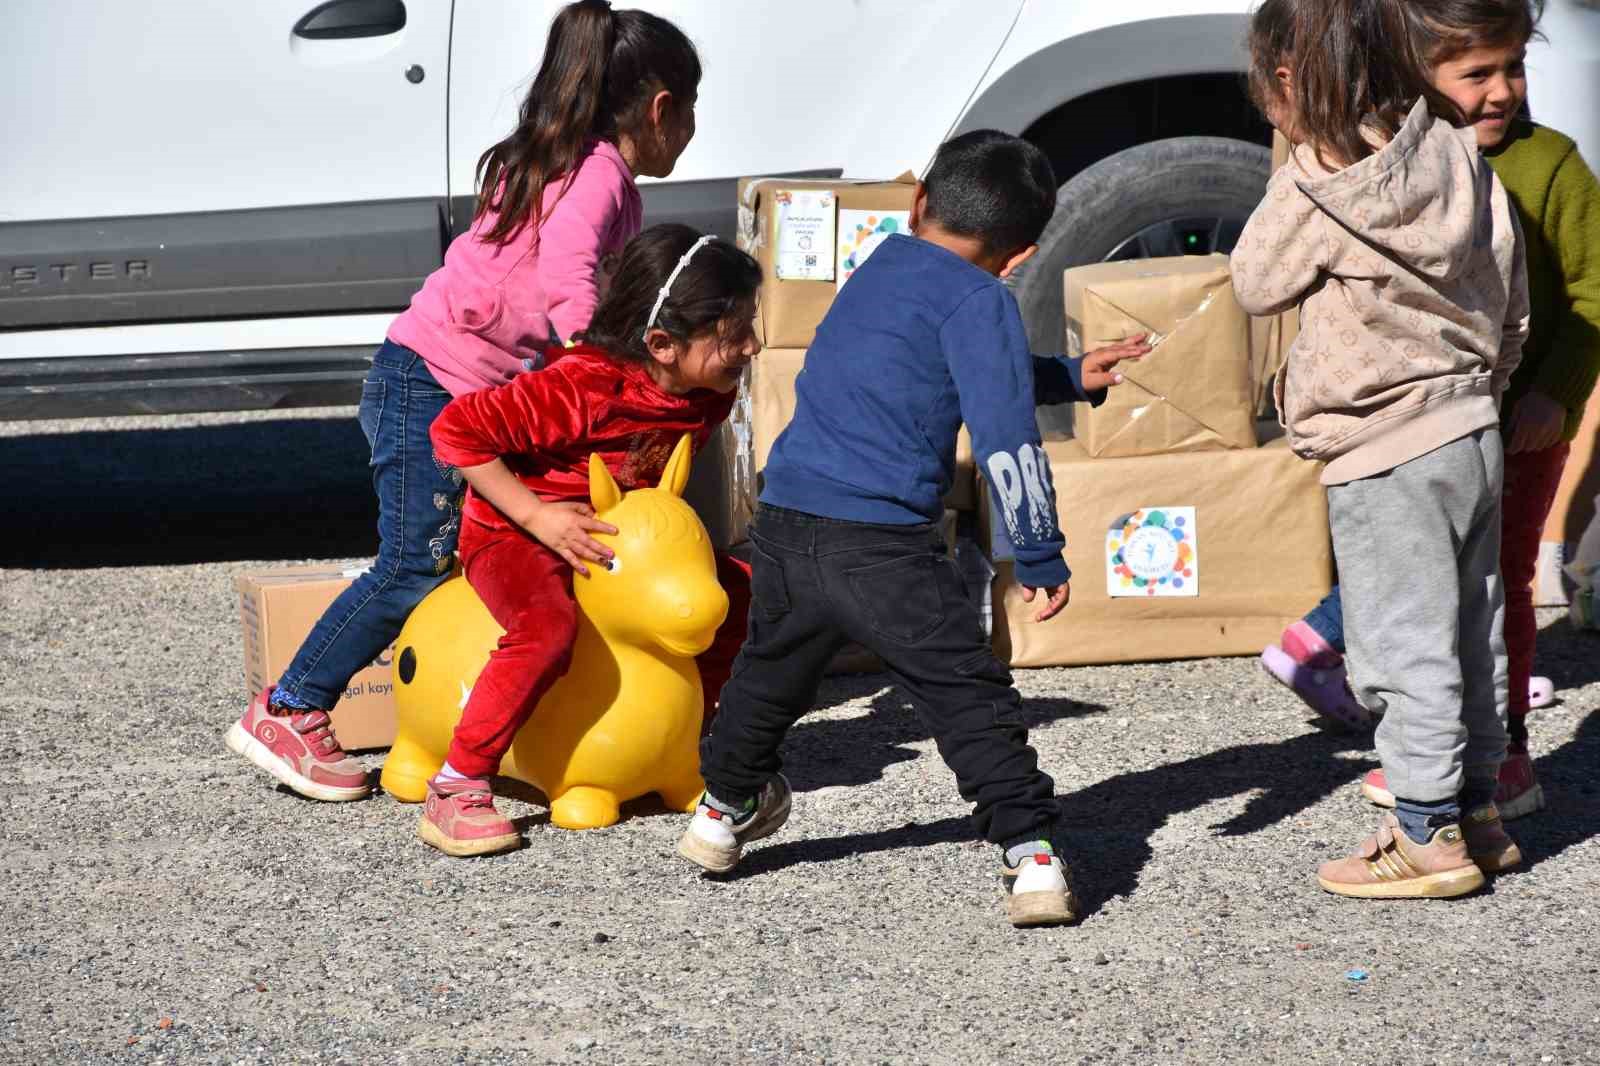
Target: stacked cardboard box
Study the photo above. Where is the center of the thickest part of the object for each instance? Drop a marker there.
(1187, 536)
(809, 236)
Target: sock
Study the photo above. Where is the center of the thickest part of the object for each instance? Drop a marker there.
(284, 700)
(738, 812)
(450, 773)
(1477, 791)
(1306, 646)
(1017, 854)
(1517, 726)
(1419, 820)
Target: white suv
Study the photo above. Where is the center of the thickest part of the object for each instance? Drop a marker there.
(222, 205)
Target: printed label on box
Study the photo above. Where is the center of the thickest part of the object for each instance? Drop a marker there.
(1153, 552)
(860, 233)
(807, 219)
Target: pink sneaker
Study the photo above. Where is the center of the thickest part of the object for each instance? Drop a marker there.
(1519, 793)
(459, 818)
(1324, 689)
(300, 750)
(1541, 692)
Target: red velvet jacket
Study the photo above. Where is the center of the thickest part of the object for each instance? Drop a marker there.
(545, 423)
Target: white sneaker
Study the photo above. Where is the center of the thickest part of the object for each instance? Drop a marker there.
(1037, 892)
(714, 840)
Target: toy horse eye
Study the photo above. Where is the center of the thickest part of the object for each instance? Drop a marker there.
(613, 564)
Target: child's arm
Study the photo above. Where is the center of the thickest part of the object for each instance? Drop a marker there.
(1514, 330)
(1084, 378)
(1572, 229)
(1280, 253)
(572, 239)
(987, 352)
(533, 414)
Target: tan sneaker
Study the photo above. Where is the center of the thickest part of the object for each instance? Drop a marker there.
(459, 818)
(1390, 865)
(1490, 846)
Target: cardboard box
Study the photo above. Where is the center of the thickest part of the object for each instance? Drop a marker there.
(792, 307)
(1572, 511)
(1193, 391)
(1261, 556)
(277, 609)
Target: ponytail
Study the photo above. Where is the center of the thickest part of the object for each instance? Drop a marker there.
(600, 70)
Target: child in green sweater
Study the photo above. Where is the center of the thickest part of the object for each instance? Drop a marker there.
(1477, 61)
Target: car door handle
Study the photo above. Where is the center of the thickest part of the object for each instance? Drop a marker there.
(339, 19)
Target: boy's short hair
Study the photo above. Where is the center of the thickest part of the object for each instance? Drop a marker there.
(992, 186)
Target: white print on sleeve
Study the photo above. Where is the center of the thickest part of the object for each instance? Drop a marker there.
(1019, 483)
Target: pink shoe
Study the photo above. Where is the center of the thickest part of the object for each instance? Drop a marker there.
(1519, 793)
(1324, 689)
(1541, 692)
(459, 818)
(300, 750)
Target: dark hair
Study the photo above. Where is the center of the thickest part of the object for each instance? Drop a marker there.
(600, 70)
(992, 186)
(1354, 64)
(714, 290)
(1443, 29)
(1270, 43)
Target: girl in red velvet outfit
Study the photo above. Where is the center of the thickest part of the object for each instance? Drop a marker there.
(661, 357)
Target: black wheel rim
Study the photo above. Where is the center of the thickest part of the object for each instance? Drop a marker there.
(1195, 235)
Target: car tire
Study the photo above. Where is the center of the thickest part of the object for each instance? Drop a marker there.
(1121, 207)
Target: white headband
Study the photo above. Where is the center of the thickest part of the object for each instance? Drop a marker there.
(661, 297)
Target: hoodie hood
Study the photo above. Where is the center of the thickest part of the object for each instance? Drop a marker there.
(1394, 200)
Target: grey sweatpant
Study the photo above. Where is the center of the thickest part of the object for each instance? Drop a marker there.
(1418, 550)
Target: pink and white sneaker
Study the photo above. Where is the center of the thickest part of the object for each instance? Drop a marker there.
(300, 750)
(1519, 794)
(459, 818)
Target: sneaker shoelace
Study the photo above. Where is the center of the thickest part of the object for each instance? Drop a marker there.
(317, 731)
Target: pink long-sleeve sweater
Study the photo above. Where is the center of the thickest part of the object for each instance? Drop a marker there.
(491, 310)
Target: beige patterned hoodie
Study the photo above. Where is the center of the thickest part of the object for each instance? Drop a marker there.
(1409, 270)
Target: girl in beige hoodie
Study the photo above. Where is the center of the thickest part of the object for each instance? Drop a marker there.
(1402, 249)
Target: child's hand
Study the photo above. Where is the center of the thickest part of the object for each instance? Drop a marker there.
(564, 528)
(1097, 372)
(1058, 599)
(1536, 424)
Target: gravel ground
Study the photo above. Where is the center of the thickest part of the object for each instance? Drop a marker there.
(165, 904)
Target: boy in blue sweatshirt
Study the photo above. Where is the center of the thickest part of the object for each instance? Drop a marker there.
(845, 539)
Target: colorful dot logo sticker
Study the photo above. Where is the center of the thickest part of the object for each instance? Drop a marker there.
(1153, 552)
(861, 233)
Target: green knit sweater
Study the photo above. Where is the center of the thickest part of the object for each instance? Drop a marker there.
(1558, 201)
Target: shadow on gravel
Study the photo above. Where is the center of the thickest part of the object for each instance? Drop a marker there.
(819, 753)
(1570, 776)
(1105, 829)
(286, 489)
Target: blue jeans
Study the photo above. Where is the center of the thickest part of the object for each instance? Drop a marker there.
(1327, 618)
(419, 518)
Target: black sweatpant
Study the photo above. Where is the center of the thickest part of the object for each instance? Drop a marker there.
(820, 582)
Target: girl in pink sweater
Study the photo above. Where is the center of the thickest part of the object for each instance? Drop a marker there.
(614, 98)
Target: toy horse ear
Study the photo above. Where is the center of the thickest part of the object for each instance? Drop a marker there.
(603, 491)
(675, 478)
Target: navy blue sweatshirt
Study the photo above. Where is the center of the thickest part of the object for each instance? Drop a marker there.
(919, 341)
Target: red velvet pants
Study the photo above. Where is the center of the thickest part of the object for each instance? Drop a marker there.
(1531, 482)
(528, 589)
